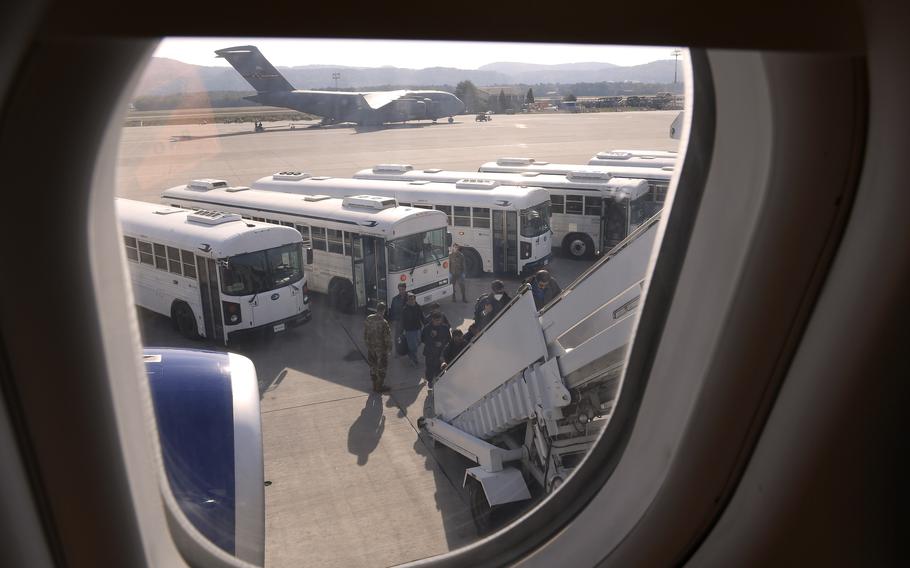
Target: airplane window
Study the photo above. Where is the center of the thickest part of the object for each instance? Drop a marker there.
(359, 419)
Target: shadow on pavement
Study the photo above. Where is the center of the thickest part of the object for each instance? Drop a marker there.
(365, 432)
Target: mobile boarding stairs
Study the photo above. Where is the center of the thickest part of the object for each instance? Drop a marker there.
(529, 396)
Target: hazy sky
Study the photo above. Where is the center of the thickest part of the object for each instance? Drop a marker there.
(408, 54)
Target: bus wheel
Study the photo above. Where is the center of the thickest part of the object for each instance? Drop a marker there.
(486, 518)
(578, 246)
(451, 120)
(183, 317)
(473, 265)
(341, 295)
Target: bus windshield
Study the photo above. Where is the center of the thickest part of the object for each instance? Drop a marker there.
(261, 271)
(535, 221)
(420, 248)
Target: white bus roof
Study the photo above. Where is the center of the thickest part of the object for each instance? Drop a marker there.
(616, 158)
(372, 215)
(475, 192)
(511, 165)
(224, 235)
(602, 182)
(646, 153)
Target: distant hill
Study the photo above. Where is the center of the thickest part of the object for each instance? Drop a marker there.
(167, 76)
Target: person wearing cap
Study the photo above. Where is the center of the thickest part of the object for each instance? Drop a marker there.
(435, 337)
(544, 288)
(487, 313)
(456, 272)
(378, 336)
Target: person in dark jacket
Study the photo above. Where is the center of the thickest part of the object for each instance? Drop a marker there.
(435, 336)
(499, 295)
(473, 330)
(454, 347)
(544, 288)
(487, 313)
(396, 306)
(412, 321)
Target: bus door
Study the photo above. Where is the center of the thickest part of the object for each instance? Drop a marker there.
(505, 241)
(368, 270)
(210, 293)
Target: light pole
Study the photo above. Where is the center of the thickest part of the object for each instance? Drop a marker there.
(676, 53)
(337, 76)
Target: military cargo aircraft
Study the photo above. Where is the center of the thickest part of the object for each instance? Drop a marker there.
(363, 108)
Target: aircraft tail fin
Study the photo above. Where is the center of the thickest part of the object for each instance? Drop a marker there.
(255, 68)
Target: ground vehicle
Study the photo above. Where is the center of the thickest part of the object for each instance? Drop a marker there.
(644, 153)
(657, 178)
(529, 396)
(589, 213)
(502, 229)
(212, 273)
(362, 246)
(632, 160)
(820, 429)
(482, 117)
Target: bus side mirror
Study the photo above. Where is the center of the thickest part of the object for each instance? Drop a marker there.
(309, 255)
(448, 240)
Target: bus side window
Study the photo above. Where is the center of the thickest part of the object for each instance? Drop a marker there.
(481, 217)
(574, 205)
(318, 238)
(345, 239)
(132, 252)
(334, 238)
(304, 234)
(260, 219)
(400, 204)
(592, 205)
(272, 222)
(447, 209)
(287, 223)
(160, 257)
(173, 260)
(189, 263)
(145, 253)
(556, 203)
(462, 216)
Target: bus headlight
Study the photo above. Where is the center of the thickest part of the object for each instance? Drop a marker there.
(232, 314)
(525, 250)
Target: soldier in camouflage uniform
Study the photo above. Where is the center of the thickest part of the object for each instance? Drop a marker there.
(457, 272)
(378, 336)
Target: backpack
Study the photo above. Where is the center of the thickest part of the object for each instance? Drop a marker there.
(478, 305)
(401, 344)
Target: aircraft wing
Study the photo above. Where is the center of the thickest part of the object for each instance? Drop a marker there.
(379, 99)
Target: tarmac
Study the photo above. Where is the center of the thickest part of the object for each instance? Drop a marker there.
(349, 481)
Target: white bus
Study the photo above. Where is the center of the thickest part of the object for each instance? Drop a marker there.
(631, 160)
(362, 246)
(646, 153)
(502, 229)
(590, 213)
(215, 275)
(658, 178)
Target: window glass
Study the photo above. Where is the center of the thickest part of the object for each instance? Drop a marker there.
(415, 250)
(173, 260)
(189, 263)
(131, 252)
(574, 205)
(423, 206)
(481, 217)
(318, 238)
(272, 222)
(535, 221)
(402, 204)
(462, 216)
(592, 205)
(335, 241)
(145, 252)
(304, 234)
(447, 209)
(556, 204)
(261, 271)
(160, 257)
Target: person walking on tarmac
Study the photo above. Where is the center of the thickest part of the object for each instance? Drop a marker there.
(435, 338)
(456, 270)
(378, 336)
(411, 321)
(396, 307)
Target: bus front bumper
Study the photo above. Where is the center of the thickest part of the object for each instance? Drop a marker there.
(537, 264)
(272, 328)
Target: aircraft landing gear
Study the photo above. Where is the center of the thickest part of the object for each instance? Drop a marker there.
(451, 120)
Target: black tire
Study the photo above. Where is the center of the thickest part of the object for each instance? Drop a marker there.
(451, 120)
(341, 295)
(578, 246)
(473, 264)
(481, 511)
(184, 320)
